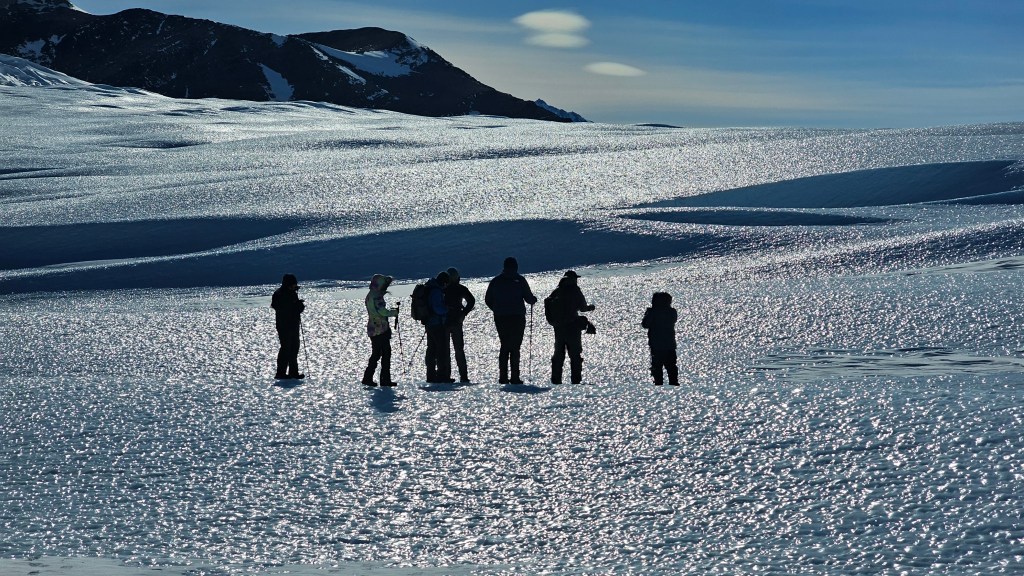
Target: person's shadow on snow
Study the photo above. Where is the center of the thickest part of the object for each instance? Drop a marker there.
(385, 401)
(524, 388)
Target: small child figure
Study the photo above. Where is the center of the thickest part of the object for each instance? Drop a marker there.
(660, 321)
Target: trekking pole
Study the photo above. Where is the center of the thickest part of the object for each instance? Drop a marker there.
(531, 343)
(398, 328)
(302, 332)
(408, 368)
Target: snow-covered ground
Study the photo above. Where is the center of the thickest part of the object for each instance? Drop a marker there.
(851, 340)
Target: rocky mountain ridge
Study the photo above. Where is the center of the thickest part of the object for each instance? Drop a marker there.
(191, 58)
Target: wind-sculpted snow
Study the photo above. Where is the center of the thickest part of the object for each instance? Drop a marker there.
(755, 218)
(851, 340)
(415, 252)
(877, 187)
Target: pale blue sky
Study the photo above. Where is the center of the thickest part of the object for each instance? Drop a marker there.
(847, 63)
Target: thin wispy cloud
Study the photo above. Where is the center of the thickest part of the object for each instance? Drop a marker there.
(555, 28)
(614, 69)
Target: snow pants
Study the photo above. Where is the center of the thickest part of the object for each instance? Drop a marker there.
(511, 329)
(568, 339)
(437, 358)
(458, 343)
(664, 360)
(288, 355)
(380, 351)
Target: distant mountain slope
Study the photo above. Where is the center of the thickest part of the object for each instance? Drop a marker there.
(191, 58)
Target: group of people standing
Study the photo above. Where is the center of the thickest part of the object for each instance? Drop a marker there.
(442, 305)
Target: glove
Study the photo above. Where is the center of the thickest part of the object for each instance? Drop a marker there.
(590, 308)
(591, 329)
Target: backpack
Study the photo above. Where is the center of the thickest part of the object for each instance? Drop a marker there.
(421, 303)
(554, 309)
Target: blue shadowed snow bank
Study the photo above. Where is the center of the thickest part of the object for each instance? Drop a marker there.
(35, 246)
(476, 249)
(878, 187)
(755, 218)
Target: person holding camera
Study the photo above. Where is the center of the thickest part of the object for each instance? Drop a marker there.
(569, 327)
(288, 309)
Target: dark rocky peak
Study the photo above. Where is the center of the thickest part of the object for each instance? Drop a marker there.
(186, 57)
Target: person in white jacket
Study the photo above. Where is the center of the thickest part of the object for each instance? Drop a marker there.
(379, 330)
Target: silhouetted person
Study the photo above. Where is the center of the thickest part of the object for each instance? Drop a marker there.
(288, 318)
(379, 330)
(460, 302)
(437, 358)
(660, 321)
(569, 329)
(505, 296)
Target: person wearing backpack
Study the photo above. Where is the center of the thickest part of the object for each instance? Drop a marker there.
(379, 330)
(505, 296)
(460, 302)
(660, 322)
(288, 309)
(437, 358)
(565, 303)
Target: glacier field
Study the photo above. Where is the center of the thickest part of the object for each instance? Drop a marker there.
(851, 344)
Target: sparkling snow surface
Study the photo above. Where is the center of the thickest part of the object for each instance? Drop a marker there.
(852, 398)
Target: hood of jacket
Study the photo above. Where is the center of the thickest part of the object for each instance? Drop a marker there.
(380, 282)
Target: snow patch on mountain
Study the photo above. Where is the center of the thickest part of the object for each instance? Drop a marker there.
(377, 62)
(16, 71)
(35, 48)
(278, 87)
(43, 5)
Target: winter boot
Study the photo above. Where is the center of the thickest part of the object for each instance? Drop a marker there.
(673, 374)
(556, 372)
(368, 376)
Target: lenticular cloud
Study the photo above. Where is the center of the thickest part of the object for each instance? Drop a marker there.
(555, 29)
(614, 69)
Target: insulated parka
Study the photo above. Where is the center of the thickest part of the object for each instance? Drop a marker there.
(377, 308)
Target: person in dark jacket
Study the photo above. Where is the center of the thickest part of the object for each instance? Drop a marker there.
(460, 302)
(379, 330)
(660, 322)
(288, 315)
(569, 329)
(437, 358)
(505, 296)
